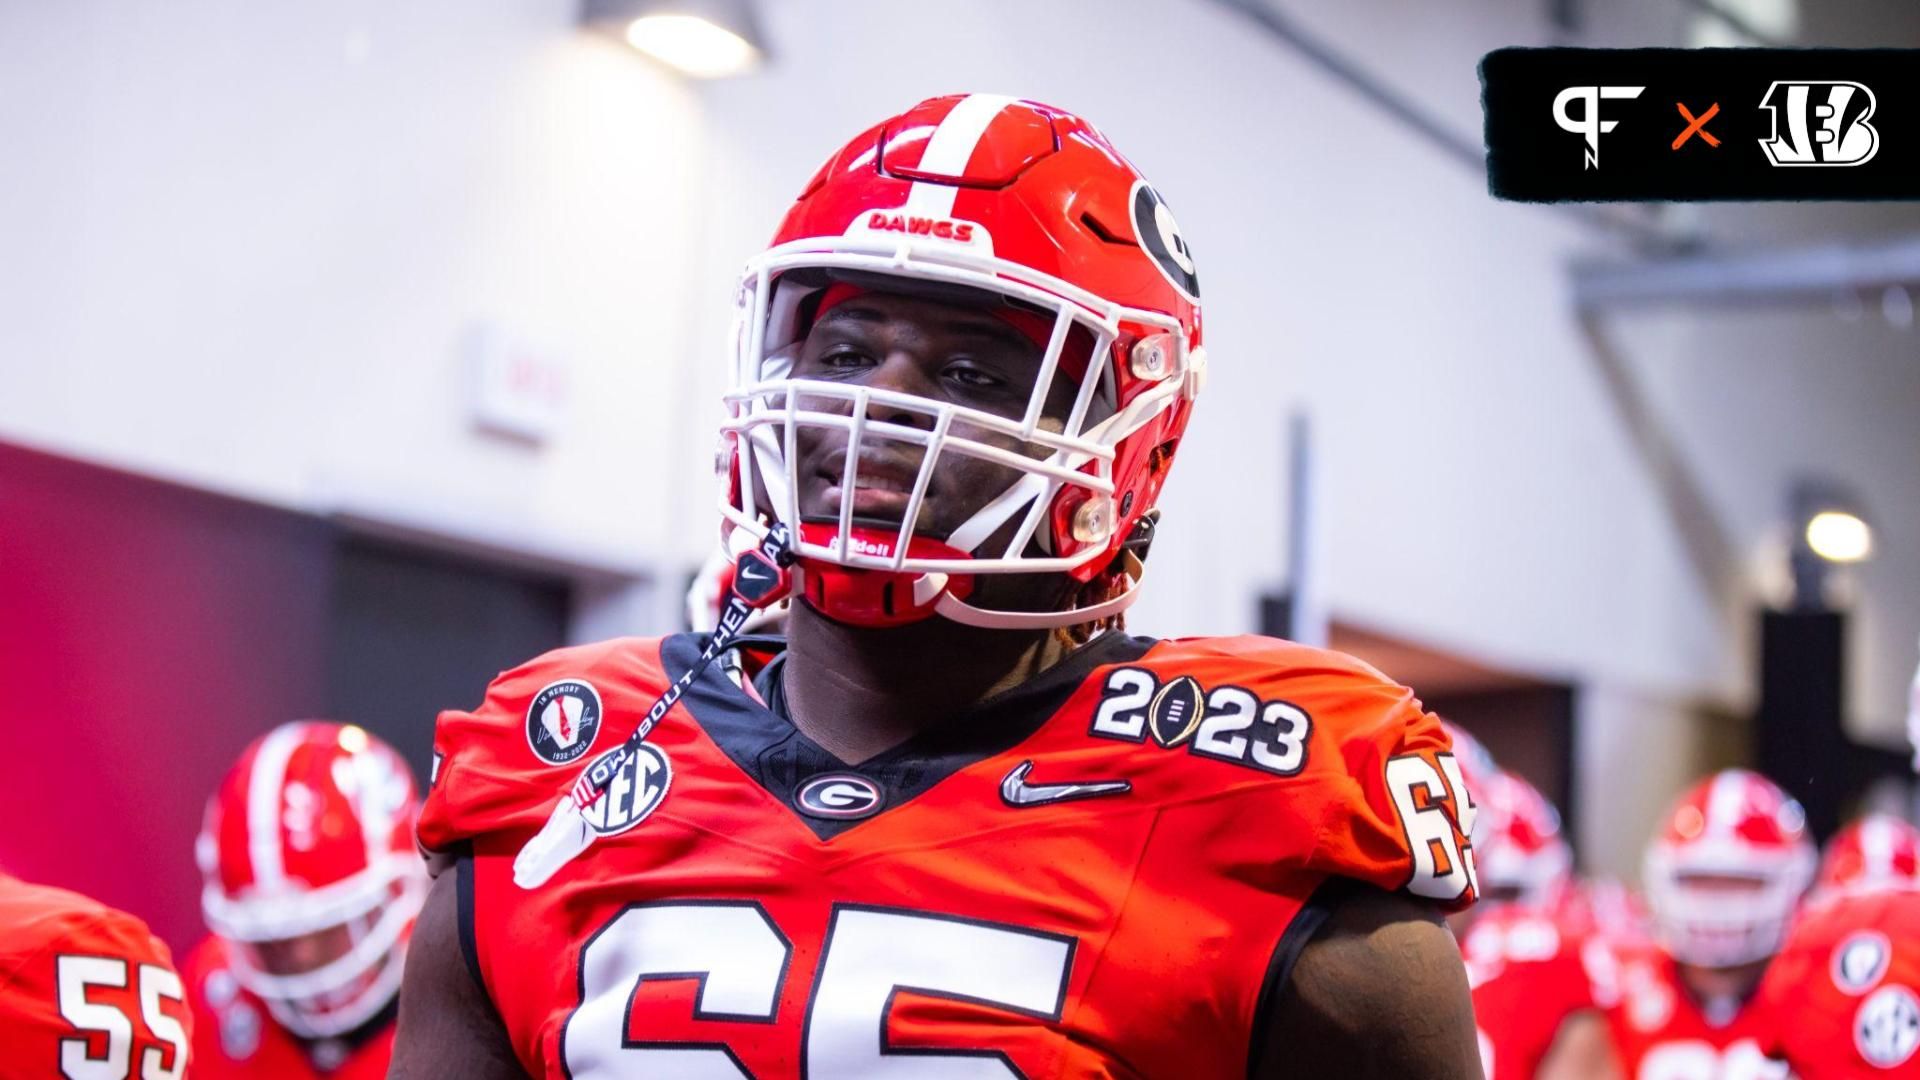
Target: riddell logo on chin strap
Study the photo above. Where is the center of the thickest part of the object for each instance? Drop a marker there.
(860, 545)
(938, 228)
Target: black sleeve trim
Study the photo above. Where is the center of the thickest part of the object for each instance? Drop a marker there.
(463, 904)
(1293, 941)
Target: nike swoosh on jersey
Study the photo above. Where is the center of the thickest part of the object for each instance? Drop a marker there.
(1015, 791)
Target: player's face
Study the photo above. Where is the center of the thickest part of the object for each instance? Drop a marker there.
(299, 955)
(948, 353)
(1731, 886)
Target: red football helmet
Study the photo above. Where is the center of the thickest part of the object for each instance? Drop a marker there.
(1878, 851)
(1727, 869)
(1607, 908)
(1029, 210)
(1477, 766)
(1517, 843)
(312, 876)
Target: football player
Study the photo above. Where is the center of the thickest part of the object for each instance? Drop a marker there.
(1534, 997)
(1723, 876)
(312, 886)
(85, 990)
(1844, 994)
(961, 825)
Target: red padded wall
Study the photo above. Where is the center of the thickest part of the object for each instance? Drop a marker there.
(147, 631)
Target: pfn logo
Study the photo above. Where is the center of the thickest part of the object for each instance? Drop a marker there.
(1820, 123)
(1589, 125)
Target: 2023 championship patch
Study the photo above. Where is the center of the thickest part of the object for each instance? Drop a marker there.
(1595, 125)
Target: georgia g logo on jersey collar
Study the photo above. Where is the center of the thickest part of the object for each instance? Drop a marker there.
(838, 796)
(1160, 238)
(563, 721)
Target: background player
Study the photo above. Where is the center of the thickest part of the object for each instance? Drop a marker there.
(963, 371)
(1534, 998)
(313, 883)
(1724, 876)
(1843, 997)
(1876, 852)
(85, 991)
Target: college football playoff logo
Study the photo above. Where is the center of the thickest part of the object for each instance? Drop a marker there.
(563, 721)
(1820, 123)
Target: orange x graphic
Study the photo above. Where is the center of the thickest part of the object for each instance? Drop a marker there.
(1697, 125)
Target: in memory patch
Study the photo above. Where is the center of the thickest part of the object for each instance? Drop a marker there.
(563, 721)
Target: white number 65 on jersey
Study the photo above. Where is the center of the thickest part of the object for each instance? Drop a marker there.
(741, 959)
(1442, 867)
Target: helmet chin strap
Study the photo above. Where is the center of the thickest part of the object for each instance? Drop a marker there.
(960, 611)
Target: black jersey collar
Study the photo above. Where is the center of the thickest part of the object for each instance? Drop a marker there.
(763, 742)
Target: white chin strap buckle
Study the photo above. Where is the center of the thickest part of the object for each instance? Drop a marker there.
(928, 587)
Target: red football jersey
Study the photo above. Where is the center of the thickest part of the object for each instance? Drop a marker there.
(85, 990)
(1846, 988)
(235, 1035)
(1662, 1032)
(1529, 973)
(1098, 873)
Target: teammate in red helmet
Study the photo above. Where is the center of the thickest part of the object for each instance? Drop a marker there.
(1532, 966)
(1843, 998)
(960, 824)
(312, 885)
(1724, 877)
(85, 990)
(1877, 851)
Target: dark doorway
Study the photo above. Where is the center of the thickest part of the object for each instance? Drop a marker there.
(413, 631)
(1527, 723)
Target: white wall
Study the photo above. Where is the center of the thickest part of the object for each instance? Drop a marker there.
(251, 237)
(244, 243)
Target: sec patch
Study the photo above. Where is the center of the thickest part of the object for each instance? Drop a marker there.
(563, 721)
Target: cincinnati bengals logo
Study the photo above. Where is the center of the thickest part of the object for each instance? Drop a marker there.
(563, 721)
(1819, 124)
(1161, 239)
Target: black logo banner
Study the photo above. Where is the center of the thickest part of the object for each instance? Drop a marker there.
(1602, 125)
